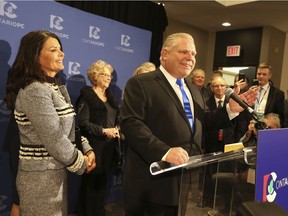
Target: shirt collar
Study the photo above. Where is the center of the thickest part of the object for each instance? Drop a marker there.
(51, 80)
(266, 86)
(169, 77)
(222, 99)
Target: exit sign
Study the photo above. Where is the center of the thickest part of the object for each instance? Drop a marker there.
(233, 51)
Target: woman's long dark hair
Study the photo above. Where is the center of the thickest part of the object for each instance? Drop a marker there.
(26, 68)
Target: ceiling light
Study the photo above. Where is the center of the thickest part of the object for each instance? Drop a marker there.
(226, 24)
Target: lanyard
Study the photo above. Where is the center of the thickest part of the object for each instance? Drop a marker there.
(260, 100)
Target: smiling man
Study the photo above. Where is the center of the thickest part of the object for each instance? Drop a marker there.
(270, 99)
(161, 118)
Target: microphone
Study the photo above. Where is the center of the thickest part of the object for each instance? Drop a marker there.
(229, 93)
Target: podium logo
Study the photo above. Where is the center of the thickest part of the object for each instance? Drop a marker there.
(269, 193)
(7, 9)
(55, 22)
(94, 32)
(74, 68)
(125, 40)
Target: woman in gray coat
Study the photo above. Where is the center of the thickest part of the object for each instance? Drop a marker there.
(45, 119)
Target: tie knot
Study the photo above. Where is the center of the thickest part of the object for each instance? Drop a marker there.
(179, 82)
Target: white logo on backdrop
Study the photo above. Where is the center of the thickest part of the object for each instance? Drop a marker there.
(7, 9)
(3, 109)
(94, 32)
(74, 68)
(125, 40)
(93, 37)
(125, 44)
(55, 22)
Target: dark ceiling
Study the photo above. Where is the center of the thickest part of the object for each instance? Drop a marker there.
(208, 15)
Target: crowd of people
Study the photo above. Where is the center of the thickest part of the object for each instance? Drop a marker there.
(163, 116)
(269, 106)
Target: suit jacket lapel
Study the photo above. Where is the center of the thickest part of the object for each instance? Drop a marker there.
(163, 82)
(269, 99)
(195, 93)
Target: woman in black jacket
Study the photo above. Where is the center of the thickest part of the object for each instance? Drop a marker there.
(98, 112)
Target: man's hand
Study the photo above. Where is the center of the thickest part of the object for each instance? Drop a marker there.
(251, 129)
(239, 85)
(249, 97)
(177, 155)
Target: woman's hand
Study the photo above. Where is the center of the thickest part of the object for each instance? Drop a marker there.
(111, 133)
(90, 159)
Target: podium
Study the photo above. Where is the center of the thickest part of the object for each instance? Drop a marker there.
(214, 184)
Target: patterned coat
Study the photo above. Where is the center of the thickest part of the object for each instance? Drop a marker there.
(45, 118)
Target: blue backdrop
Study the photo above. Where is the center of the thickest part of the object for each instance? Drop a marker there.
(85, 38)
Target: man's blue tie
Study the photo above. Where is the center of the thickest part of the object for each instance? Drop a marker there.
(186, 103)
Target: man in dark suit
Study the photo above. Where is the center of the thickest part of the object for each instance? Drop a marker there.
(216, 139)
(156, 128)
(198, 78)
(270, 98)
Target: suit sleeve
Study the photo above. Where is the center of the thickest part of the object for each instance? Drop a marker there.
(83, 114)
(132, 122)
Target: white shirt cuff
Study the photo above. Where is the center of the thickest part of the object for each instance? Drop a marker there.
(230, 113)
(164, 157)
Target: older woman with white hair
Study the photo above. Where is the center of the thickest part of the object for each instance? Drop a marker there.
(98, 111)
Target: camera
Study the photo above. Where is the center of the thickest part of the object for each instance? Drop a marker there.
(260, 125)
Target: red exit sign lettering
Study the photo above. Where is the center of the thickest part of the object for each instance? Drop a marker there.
(233, 51)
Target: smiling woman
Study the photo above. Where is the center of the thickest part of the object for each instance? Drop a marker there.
(106, 75)
(45, 118)
(51, 57)
(98, 112)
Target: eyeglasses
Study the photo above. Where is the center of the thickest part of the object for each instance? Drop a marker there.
(106, 75)
(218, 86)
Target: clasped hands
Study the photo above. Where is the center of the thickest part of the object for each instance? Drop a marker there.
(90, 159)
(111, 133)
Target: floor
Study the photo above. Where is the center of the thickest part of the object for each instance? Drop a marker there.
(115, 209)
(112, 209)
